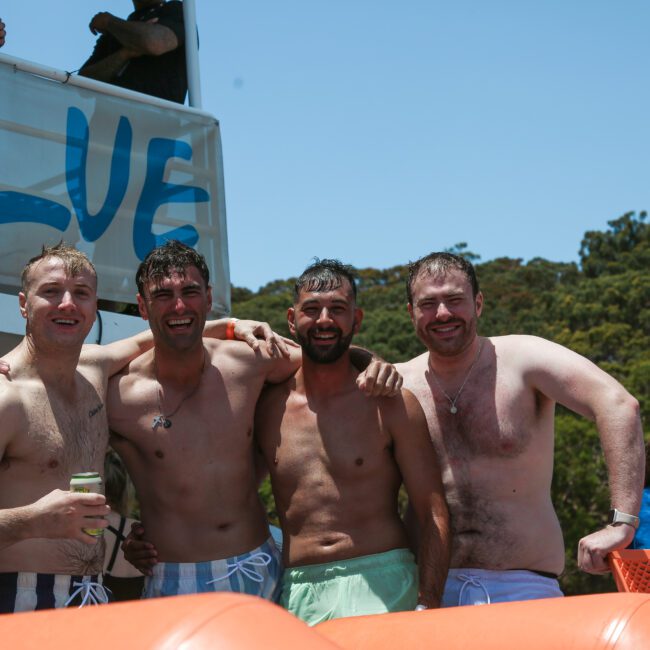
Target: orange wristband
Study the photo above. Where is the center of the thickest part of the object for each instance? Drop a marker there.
(230, 329)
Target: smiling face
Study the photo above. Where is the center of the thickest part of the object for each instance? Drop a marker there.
(60, 307)
(176, 306)
(444, 311)
(325, 322)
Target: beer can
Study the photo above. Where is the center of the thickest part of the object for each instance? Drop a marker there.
(88, 482)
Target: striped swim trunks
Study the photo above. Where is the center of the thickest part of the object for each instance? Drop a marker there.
(27, 592)
(256, 573)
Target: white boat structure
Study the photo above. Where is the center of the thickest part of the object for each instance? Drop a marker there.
(111, 171)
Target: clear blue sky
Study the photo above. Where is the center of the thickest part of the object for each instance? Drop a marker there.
(377, 131)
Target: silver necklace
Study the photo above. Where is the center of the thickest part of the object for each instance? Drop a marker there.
(162, 419)
(453, 409)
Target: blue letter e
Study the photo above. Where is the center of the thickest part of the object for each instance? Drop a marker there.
(156, 192)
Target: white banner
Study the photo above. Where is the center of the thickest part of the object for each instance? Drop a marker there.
(113, 175)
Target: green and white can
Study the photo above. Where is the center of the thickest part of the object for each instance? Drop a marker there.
(88, 482)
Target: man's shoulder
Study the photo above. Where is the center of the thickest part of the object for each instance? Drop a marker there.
(16, 390)
(513, 343)
(399, 405)
(20, 376)
(136, 369)
(414, 367)
(95, 361)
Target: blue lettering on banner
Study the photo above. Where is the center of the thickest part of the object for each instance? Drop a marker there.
(76, 155)
(156, 192)
(19, 207)
(16, 207)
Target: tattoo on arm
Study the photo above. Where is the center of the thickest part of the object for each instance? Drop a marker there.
(96, 410)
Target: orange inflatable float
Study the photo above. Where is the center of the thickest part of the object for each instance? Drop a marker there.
(236, 622)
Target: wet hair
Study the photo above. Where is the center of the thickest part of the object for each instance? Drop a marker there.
(74, 262)
(440, 264)
(325, 275)
(115, 483)
(171, 256)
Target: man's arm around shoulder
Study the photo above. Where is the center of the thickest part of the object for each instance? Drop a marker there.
(273, 368)
(115, 356)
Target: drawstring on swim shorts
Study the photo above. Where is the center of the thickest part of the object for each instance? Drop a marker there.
(92, 593)
(473, 582)
(247, 567)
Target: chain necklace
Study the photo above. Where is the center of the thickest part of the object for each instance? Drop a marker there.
(162, 419)
(453, 409)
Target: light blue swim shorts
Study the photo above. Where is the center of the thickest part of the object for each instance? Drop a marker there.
(256, 573)
(481, 587)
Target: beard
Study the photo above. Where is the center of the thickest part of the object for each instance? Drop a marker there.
(322, 354)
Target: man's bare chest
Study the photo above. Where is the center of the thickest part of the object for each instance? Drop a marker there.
(490, 420)
(209, 420)
(63, 435)
(342, 444)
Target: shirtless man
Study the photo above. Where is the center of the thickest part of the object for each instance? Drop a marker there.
(337, 460)
(53, 425)
(490, 405)
(181, 418)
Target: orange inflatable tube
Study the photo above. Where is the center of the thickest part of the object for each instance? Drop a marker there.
(236, 622)
(597, 622)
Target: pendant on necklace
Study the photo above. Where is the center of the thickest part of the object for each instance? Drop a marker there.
(453, 410)
(160, 421)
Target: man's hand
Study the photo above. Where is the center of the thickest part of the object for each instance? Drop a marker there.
(252, 331)
(593, 549)
(99, 23)
(140, 553)
(380, 379)
(63, 515)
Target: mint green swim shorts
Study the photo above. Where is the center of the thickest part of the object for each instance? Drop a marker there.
(371, 584)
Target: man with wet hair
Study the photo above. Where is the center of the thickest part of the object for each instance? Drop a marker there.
(323, 276)
(181, 417)
(54, 424)
(337, 460)
(490, 405)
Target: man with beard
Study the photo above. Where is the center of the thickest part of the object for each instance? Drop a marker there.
(337, 460)
(181, 418)
(145, 52)
(490, 405)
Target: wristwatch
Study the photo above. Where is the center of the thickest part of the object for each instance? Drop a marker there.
(618, 517)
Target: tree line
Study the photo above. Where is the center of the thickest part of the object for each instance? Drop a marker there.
(598, 307)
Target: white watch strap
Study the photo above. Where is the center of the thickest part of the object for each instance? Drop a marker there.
(618, 517)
